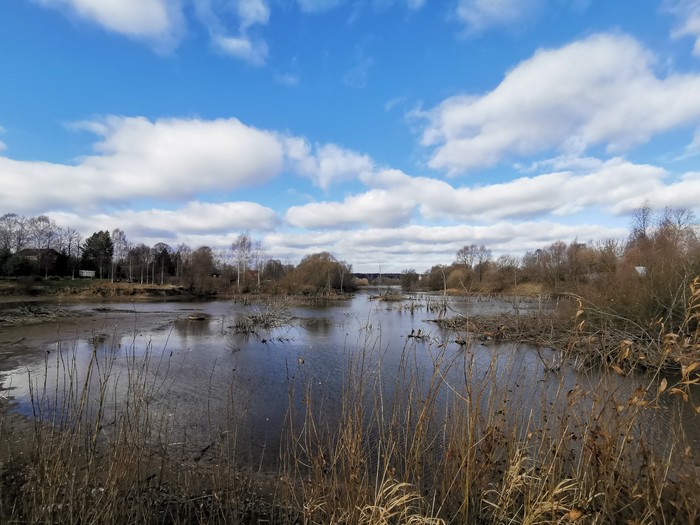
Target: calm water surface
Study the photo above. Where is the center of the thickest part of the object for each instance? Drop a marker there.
(199, 376)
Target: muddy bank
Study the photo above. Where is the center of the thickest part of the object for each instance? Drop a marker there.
(30, 290)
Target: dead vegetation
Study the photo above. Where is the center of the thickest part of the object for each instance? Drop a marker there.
(32, 314)
(437, 438)
(267, 316)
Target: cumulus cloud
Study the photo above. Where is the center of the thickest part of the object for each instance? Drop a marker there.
(617, 186)
(199, 218)
(196, 223)
(138, 159)
(325, 164)
(378, 208)
(157, 21)
(600, 90)
(688, 13)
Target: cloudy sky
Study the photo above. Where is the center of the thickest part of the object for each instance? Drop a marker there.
(388, 132)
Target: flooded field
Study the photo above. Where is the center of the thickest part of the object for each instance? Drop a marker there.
(293, 388)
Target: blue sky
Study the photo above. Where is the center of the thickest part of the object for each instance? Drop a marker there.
(387, 132)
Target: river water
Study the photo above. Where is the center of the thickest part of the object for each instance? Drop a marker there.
(199, 378)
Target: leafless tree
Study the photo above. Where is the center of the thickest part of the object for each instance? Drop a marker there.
(242, 250)
(121, 249)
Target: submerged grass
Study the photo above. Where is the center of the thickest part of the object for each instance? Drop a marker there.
(438, 436)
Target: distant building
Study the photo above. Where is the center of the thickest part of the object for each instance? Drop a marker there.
(87, 273)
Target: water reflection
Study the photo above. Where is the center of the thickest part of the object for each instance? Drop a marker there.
(198, 377)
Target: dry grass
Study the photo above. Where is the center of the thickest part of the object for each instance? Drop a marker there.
(438, 437)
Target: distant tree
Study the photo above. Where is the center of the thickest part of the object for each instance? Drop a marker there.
(13, 232)
(274, 270)
(483, 257)
(200, 269)
(466, 256)
(409, 279)
(318, 273)
(121, 249)
(436, 278)
(5, 255)
(507, 271)
(98, 250)
(641, 224)
(139, 257)
(242, 249)
(18, 266)
(343, 269)
(43, 234)
(182, 258)
(259, 257)
(162, 259)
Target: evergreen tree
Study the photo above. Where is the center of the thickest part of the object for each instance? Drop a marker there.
(97, 251)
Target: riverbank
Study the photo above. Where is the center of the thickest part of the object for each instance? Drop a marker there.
(33, 290)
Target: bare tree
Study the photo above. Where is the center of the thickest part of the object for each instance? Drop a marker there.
(242, 248)
(14, 232)
(43, 235)
(70, 244)
(121, 249)
(642, 221)
(483, 256)
(466, 256)
(343, 269)
(258, 259)
(182, 258)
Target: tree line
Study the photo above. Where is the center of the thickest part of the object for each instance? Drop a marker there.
(651, 267)
(644, 277)
(38, 246)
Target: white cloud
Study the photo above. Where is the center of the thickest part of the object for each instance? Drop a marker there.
(156, 21)
(616, 186)
(195, 223)
(423, 246)
(253, 12)
(240, 43)
(253, 51)
(139, 159)
(378, 208)
(601, 90)
(325, 164)
(200, 218)
(688, 13)
(3, 146)
(693, 148)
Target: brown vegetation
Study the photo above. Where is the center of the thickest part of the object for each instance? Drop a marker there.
(450, 446)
